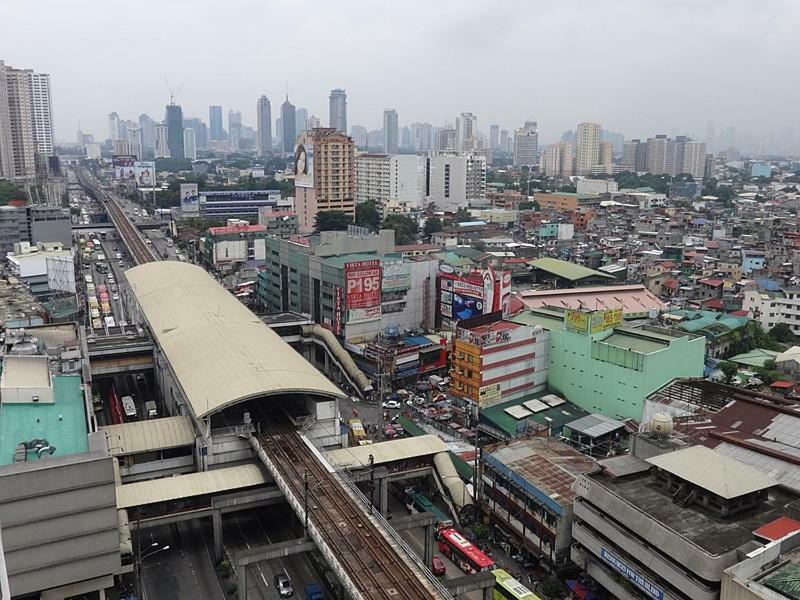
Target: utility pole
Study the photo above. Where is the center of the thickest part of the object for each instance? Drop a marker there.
(371, 482)
(305, 504)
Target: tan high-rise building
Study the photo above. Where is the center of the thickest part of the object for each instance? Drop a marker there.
(20, 109)
(587, 147)
(324, 166)
(606, 157)
(558, 160)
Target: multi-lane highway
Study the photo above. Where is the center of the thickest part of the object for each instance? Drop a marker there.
(138, 249)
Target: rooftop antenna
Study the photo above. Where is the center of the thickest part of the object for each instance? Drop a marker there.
(173, 95)
(287, 90)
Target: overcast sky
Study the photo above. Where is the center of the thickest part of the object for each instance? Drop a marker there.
(636, 66)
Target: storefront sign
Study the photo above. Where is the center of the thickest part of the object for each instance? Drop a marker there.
(338, 310)
(489, 394)
(633, 575)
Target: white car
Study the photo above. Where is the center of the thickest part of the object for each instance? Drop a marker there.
(115, 296)
(391, 404)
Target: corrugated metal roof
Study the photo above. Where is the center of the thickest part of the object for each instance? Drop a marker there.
(386, 452)
(712, 471)
(221, 352)
(144, 436)
(185, 486)
(595, 425)
(567, 270)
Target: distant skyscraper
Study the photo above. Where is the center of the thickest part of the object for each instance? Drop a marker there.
(20, 122)
(606, 157)
(405, 137)
(313, 122)
(557, 160)
(301, 119)
(42, 113)
(113, 126)
(694, 159)
(174, 121)
(494, 137)
(657, 154)
(338, 110)
(466, 132)
(289, 124)
(134, 135)
(587, 147)
(264, 124)
(390, 131)
(147, 127)
(446, 140)
(215, 123)
(162, 141)
(189, 147)
(504, 140)
(359, 135)
(422, 136)
(235, 129)
(6, 147)
(526, 145)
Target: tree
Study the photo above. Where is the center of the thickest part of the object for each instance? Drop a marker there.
(729, 370)
(367, 215)
(432, 225)
(8, 191)
(528, 206)
(782, 333)
(462, 214)
(769, 372)
(405, 228)
(332, 220)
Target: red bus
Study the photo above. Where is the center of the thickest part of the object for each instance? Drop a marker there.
(461, 551)
(103, 297)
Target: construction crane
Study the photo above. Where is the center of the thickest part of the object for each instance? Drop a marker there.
(173, 96)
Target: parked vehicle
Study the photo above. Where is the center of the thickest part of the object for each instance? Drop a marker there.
(150, 407)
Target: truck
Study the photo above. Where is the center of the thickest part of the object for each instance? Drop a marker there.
(313, 591)
(150, 407)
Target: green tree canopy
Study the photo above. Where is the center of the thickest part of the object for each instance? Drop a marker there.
(405, 228)
(432, 225)
(8, 191)
(332, 220)
(367, 215)
(462, 214)
(729, 370)
(782, 333)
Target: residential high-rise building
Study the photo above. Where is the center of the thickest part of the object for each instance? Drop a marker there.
(6, 148)
(422, 136)
(147, 127)
(446, 140)
(41, 101)
(20, 125)
(634, 155)
(557, 160)
(455, 181)
(174, 122)
(494, 137)
(390, 131)
(312, 122)
(162, 141)
(694, 159)
(657, 155)
(235, 129)
(587, 147)
(113, 126)
(359, 135)
(264, 124)
(605, 160)
(466, 132)
(405, 137)
(526, 145)
(324, 175)
(134, 135)
(189, 147)
(215, 123)
(301, 119)
(200, 132)
(338, 110)
(288, 124)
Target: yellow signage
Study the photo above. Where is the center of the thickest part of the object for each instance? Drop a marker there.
(577, 320)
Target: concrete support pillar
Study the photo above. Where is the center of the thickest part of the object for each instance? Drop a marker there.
(383, 491)
(487, 593)
(428, 545)
(101, 594)
(216, 522)
(327, 363)
(241, 584)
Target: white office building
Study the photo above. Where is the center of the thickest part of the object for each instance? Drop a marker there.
(396, 182)
(526, 145)
(135, 142)
(162, 141)
(456, 181)
(42, 113)
(189, 145)
(558, 160)
(466, 132)
(390, 131)
(338, 110)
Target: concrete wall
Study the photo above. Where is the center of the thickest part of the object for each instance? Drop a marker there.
(59, 521)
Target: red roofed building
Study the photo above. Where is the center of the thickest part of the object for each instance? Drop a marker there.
(234, 243)
(777, 529)
(635, 300)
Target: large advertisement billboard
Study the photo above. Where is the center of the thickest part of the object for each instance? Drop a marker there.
(304, 163)
(145, 171)
(396, 276)
(189, 198)
(123, 167)
(478, 293)
(363, 290)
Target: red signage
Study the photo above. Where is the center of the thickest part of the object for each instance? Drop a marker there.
(362, 284)
(337, 311)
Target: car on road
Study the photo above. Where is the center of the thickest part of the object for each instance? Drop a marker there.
(391, 404)
(284, 585)
(437, 566)
(115, 296)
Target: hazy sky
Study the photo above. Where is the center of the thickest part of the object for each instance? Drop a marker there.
(636, 66)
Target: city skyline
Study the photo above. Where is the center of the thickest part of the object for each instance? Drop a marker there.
(621, 98)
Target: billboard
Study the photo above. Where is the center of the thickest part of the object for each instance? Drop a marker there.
(489, 394)
(592, 321)
(338, 309)
(396, 276)
(190, 202)
(304, 163)
(145, 172)
(123, 167)
(363, 290)
(576, 320)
